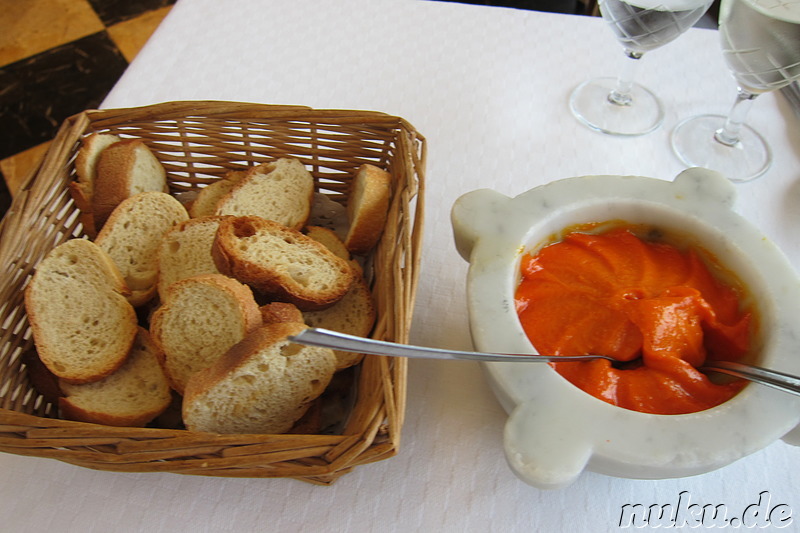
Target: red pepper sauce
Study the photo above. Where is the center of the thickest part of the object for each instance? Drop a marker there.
(618, 295)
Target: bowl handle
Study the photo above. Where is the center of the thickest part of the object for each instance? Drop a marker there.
(545, 453)
(475, 214)
(697, 182)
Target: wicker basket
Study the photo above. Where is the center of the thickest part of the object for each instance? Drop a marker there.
(197, 142)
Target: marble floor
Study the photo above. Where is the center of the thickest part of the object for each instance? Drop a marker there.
(58, 58)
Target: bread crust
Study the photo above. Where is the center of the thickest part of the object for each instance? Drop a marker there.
(367, 208)
(115, 176)
(82, 190)
(171, 342)
(132, 396)
(332, 242)
(79, 269)
(186, 266)
(280, 312)
(285, 406)
(272, 277)
(354, 314)
(207, 199)
(83, 202)
(132, 235)
(86, 160)
(281, 191)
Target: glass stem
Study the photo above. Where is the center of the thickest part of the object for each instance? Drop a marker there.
(621, 95)
(729, 133)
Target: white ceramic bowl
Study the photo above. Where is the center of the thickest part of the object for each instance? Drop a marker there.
(555, 430)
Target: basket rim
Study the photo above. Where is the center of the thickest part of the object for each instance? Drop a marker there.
(20, 432)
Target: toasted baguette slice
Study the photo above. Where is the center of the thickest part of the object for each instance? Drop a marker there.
(264, 384)
(281, 191)
(280, 262)
(207, 199)
(132, 396)
(185, 251)
(82, 190)
(367, 208)
(82, 324)
(280, 312)
(132, 236)
(328, 237)
(124, 169)
(200, 319)
(354, 314)
(332, 242)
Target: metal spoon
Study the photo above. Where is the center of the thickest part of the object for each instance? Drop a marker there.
(350, 343)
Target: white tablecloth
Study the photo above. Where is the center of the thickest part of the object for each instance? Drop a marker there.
(488, 87)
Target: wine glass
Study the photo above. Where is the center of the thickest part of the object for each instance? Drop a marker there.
(761, 45)
(618, 105)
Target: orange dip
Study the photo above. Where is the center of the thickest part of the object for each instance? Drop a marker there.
(618, 295)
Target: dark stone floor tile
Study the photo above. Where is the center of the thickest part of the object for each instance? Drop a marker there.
(558, 6)
(5, 198)
(114, 11)
(38, 93)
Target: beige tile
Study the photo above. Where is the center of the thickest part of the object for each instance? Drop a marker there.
(16, 168)
(130, 36)
(28, 27)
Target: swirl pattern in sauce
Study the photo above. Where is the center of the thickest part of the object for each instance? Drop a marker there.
(644, 302)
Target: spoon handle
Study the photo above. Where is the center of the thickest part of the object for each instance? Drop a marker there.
(770, 378)
(350, 343)
(341, 341)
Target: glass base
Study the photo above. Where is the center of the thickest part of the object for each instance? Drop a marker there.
(590, 104)
(694, 143)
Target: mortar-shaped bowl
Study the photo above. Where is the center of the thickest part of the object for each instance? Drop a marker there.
(555, 430)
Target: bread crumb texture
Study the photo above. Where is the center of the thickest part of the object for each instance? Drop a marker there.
(281, 262)
(82, 324)
(262, 385)
(132, 236)
(202, 317)
(221, 276)
(132, 396)
(281, 191)
(185, 251)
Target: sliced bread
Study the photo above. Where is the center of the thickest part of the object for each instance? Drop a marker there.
(82, 190)
(132, 396)
(367, 208)
(264, 384)
(330, 239)
(83, 325)
(125, 168)
(185, 251)
(207, 199)
(354, 314)
(332, 242)
(280, 312)
(280, 262)
(200, 319)
(132, 236)
(281, 191)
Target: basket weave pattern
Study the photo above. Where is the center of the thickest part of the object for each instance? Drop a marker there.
(197, 142)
